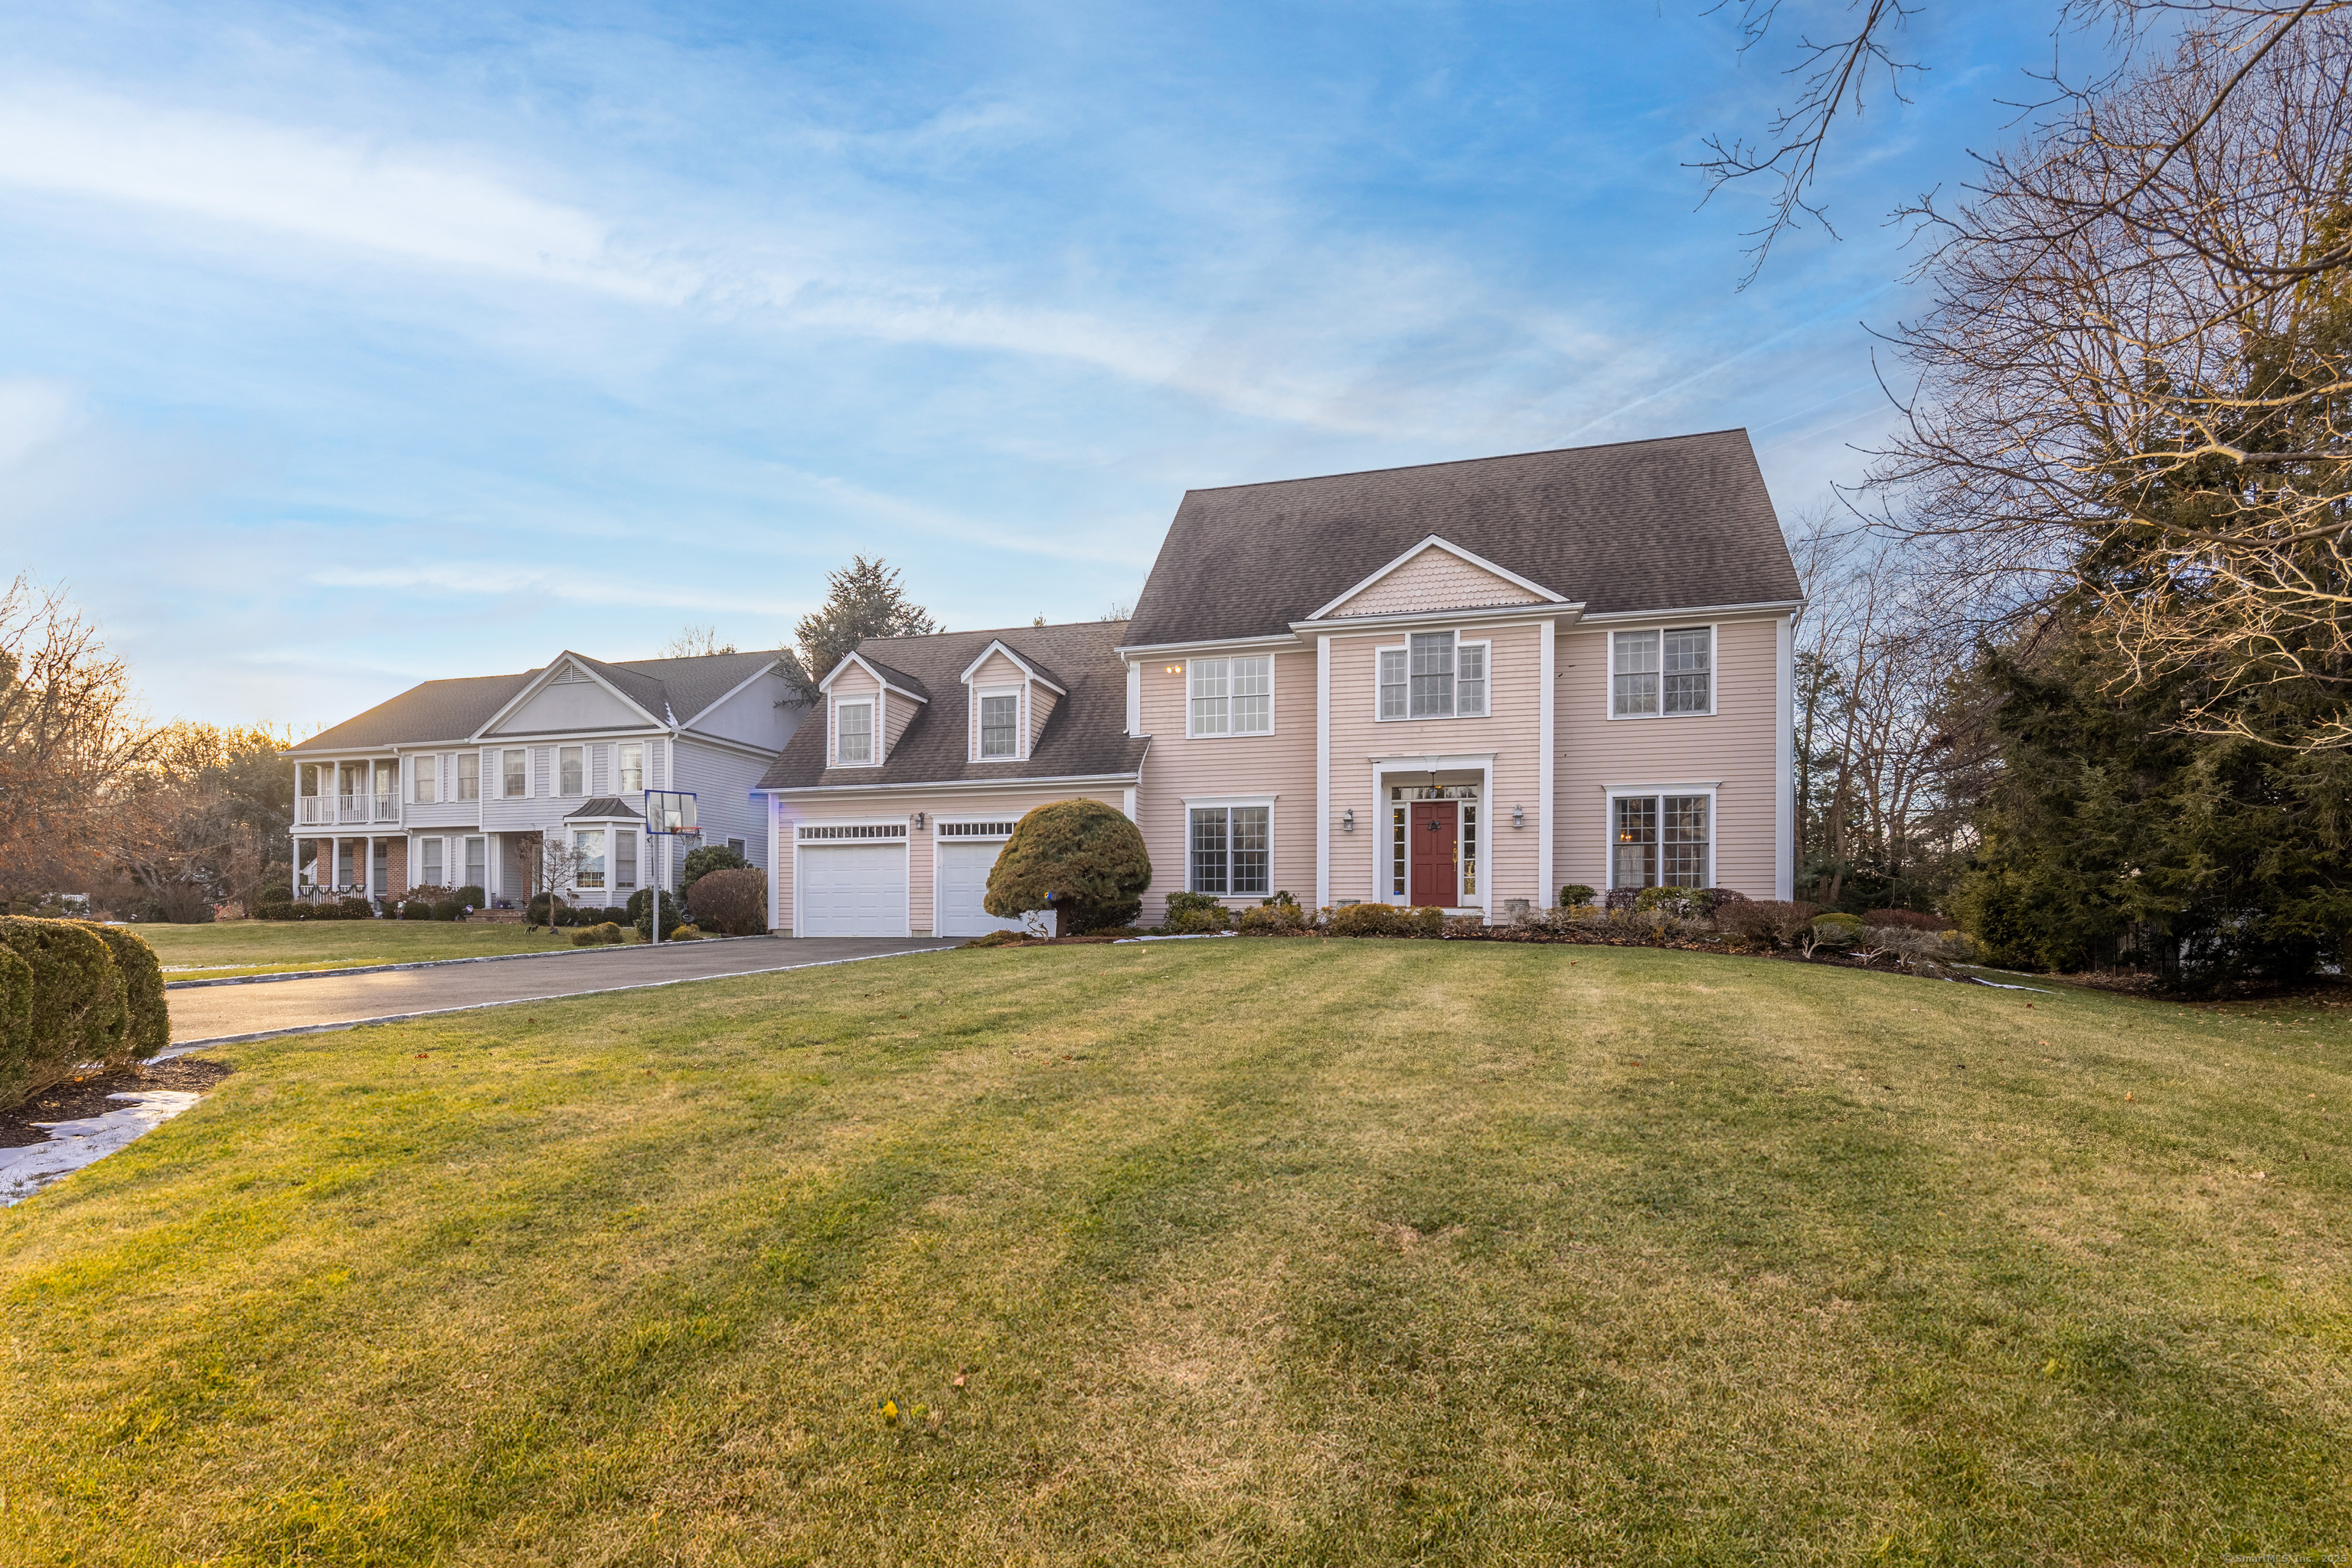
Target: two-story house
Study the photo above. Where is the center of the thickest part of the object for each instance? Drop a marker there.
(467, 782)
(1463, 684)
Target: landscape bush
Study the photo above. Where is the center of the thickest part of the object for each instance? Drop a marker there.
(1080, 858)
(606, 935)
(1833, 930)
(448, 909)
(538, 911)
(1621, 898)
(1195, 914)
(354, 909)
(1576, 896)
(1279, 916)
(685, 933)
(78, 1012)
(732, 903)
(1429, 920)
(415, 909)
(1909, 919)
(471, 896)
(148, 1021)
(1364, 919)
(1764, 924)
(15, 1025)
(638, 913)
(702, 861)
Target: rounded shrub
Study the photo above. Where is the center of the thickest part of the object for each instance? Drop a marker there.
(1429, 920)
(148, 1025)
(1080, 858)
(1576, 896)
(79, 1010)
(702, 861)
(1364, 919)
(448, 909)
(604, 934)
(1271, 918)
(733, 902)
(16, 1023)
(536, 911)
(356, 909)
(472, 897)
(1193, 914)
(639, 912)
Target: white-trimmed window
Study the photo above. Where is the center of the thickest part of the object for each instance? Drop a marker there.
(477, 862)
(572, 771)
(625, 861)
(516, 769)
(1662, 673)
(423, 772)
(1233, 696)
(1660, 840)
(853, 733)
(588, 844)
(428, 856)
(633, 767)
(1000, 725)
(1435, 675)
(469, 776)
(1232, 850)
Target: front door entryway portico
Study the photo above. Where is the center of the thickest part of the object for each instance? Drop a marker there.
(1435, 847)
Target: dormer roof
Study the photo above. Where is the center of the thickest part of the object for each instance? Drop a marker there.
(889, 678)
(1029, 665)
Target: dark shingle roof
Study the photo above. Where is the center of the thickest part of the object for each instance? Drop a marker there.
(1085, 736)
(891, 673)
(1674, 523)
(454, 709)
(603, 807)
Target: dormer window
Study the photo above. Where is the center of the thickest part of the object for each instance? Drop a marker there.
(1000, 726)
(853, 733)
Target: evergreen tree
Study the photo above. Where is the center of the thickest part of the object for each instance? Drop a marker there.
(865, 600)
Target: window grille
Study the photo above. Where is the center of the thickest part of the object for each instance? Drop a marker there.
(1000, 720)
(1661, 841)
(1392, 683)
(1433, 675)
(854, 731)
(1232, 849)
(517, 781)
(976, 829)
(469, 776)
(590, 843)
(1436, 675)
(1233, 696)
(816, 830)
(1687, 668)
(1661, 672)
(477, 862)
(571, 771)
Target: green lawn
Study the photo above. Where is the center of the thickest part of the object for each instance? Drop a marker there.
(1320, 1252)
(262, 947)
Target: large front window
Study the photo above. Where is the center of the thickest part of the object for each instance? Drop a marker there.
(1232, 849)
(1233, 696)
(633, 767)
(429, 874)
(572, 770)
(625, 861)
(1660, 841)
(588, 843)
(477, 862)
(1668, 672)
(1434, 676)
(999, 722)
(854, 733)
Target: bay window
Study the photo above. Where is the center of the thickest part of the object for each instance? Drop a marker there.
(588, 843)
(1231, 849)
(1662, 673)
(625, 861)
(1233, 696)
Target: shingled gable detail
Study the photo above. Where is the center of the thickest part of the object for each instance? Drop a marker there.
(568, 668)
(882, 678)
(1436, 574)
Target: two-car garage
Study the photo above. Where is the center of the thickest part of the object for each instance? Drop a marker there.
(851, 879)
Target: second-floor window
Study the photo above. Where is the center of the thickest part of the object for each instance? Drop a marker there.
(633, 767)
(1233, 696)
(572, 770)
(517, 776)
(1434, 676)
(1657, 673)
(854, 733)
(425, 768)
(469, 776)
(1000, 726)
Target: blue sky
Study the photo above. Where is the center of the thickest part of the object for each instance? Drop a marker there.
(341, 348)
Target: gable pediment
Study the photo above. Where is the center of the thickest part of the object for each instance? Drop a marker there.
(1433, 576)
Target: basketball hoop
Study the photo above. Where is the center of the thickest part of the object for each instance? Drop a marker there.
(669, 813)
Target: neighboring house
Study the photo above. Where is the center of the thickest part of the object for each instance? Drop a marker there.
(458, 782)
(1463, 684)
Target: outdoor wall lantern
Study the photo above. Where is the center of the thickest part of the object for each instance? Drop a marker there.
(1519, 816)
(1348, 820)
(919, 822)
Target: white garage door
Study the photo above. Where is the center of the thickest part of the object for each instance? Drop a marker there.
(853, 889)
(964, 880)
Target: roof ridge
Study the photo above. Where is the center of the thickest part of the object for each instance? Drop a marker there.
(996, 631)
(1468, 462)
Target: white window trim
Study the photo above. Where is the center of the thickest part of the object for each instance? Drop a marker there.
(1714, 630)
(1219, 802)
(621, 770)
(939, 822)
(524, 752)
(1405, 648)
(457, 780)
(1613, 794)
(1020, 695)
(417, 880)
(873, 704)
(1272, 669)
(905, 840)
(555, 772)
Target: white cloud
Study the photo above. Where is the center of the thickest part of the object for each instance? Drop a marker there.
(36, 414)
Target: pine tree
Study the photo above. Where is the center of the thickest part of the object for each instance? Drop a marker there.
(865, 601)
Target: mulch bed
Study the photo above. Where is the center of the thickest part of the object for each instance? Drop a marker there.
(80, 1097)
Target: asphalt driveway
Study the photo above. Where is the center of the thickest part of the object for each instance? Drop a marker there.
(213, 1012)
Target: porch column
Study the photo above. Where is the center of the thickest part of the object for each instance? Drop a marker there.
(367, 878)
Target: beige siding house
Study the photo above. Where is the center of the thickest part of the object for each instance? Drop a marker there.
(1463, 684)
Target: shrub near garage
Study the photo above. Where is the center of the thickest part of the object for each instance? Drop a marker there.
(734, 903)
(1080, 858)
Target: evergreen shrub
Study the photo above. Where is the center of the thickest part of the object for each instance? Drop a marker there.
(471, 896)
(1576, 896)
(605, 934)
(1080, 858)
(448, 909)
(149, 1026)
(1364, 919)
(79, 1010)
(701, 861)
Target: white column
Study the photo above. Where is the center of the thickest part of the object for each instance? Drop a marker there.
(1546, 891)
(1784, 761)
(367, 877)
(1323, 824)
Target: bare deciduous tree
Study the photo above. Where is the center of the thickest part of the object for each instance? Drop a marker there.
(695, 642)
(70, 735)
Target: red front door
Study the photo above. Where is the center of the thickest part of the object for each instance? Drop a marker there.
(1435, 833)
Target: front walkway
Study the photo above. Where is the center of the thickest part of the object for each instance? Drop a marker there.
(212, 1014)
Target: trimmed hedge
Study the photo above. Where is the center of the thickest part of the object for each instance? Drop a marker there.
(150, 1028)
(16, 1023)
(1364, 919)
(604, 935)
(78, 1011)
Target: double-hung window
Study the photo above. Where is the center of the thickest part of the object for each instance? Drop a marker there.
(1233, 696)
(999, 725)
(1232, 849)
(571, 771)
(430, 871)
(423, 770)
(1660, 840)
(515, 772)
(853, 733)
(469, 776)
(1436, 675)
(633, 767)
(478, 861)
(1667, 672)
(625, 861)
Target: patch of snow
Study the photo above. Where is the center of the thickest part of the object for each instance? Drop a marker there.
(75, 1143)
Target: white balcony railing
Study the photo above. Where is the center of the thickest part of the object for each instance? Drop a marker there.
(329, 810)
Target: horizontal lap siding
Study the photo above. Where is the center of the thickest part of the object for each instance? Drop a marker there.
(1006, 804)
(1512, 732)
(1735, 744)
(1281, 765)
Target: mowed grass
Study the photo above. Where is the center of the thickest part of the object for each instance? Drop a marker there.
(263, 947)
(1315, 1252)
